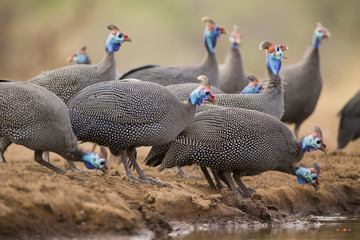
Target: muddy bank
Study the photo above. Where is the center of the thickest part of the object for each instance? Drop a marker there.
(37, 202)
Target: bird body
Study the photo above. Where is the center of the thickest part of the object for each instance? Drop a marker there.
(349, 127)
(36, 118)
(303, 83)
(68, 80)
(167, 75)
(232, 77)
(243, 141)
(123, 115)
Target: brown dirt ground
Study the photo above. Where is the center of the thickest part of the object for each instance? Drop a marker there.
(35, 202)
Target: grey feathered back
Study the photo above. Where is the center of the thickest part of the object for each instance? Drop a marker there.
(67, 81)
(349, 127)
(183, 90)
(122, 114)
(231, 138)
(36, 118)
(270, 101)
(167, 75)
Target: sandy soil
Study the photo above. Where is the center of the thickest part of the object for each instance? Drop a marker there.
(35, 202)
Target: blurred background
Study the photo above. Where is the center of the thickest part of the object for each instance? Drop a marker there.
(39, 35)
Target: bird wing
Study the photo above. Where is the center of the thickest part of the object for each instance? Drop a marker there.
(125, 102)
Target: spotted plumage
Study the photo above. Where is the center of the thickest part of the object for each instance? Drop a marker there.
(242, 141)
(349, 126)
(303, 83)
(36, 118)
(232, 77)
(167, 75)
(126, 114)
(270, 101)
(67, 81)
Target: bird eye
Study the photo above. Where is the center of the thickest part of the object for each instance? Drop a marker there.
(102, 162)
(216, 28)
(314, 178)
(207, 93)
(318, 141)
(277, 49)
(320, 31)
(120, 35)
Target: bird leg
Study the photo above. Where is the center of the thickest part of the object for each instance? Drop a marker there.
(124, 160)
(73, 168)
(296, 130)
(227, 176)
(208, 178)
(47, 156)
(182, 173)
(2, 157)
(4, 144)
(246, 192)
(41, 161)
(131, 152)
(217, 179)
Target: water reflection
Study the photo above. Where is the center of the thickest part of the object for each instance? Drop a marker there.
(316, 227)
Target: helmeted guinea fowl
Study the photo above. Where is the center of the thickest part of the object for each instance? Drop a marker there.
(232, 77)
(349, 127)
(67, 81)
(122, 115)
(244, 142)
(166, 75)
(36, 118)
(253, 87)
(271, 100)
(80, 57)
(303, 82)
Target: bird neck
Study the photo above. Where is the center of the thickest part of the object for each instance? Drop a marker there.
(75, 154)
(234, 46)
(107, 65)
(316, 41)
(273, 63)
(210, 41)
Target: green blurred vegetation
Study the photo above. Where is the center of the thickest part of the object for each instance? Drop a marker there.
(38, 35)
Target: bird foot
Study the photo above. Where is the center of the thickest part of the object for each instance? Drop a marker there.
(248, 193)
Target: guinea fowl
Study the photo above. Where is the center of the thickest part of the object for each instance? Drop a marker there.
(253, 87)
(244, 142)
(122, 115)
(232, 77)
(36, 118)
(303, 82)
(166, 75)
(271, 100)
(80, 57)
(349, 127)
(67, 81)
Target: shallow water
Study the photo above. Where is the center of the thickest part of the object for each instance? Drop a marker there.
(319, 227)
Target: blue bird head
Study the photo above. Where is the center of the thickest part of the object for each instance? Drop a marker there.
(314, 142)
(235, 38)
(115, 39)
(211, 34)
(253, 87)
(309, 176)
(319, 34)
(94, 161)
(274, 54)
(80, 57)
(202, 93)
